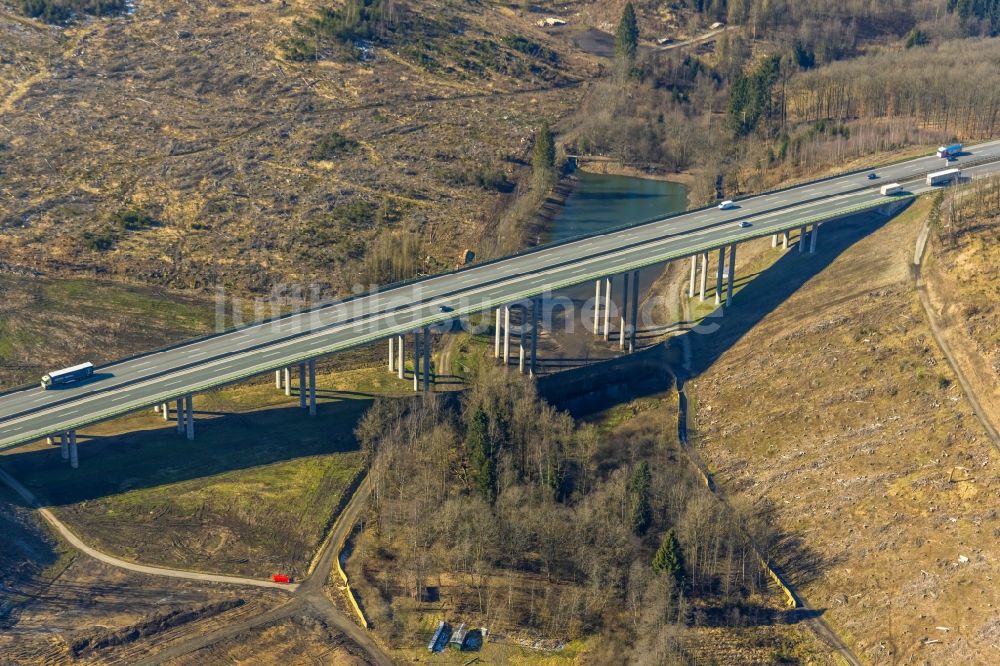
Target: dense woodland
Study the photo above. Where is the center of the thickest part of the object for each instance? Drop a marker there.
(558, 529)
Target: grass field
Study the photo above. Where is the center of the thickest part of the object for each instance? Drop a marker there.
(46, 323)
(252, 494)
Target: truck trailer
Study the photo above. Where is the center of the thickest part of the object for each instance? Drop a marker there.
(890, 189)
(942, 177)
(67, 375)
(949, 151)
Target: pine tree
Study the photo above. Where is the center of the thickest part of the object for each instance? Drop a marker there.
(627, 37)
(544, 157)
(669, 559)
(482, 457)
(641, 511)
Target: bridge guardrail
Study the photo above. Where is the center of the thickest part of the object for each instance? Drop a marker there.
(535, 248)
(293, 359)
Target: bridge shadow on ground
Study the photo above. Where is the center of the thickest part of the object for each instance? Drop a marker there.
(159, 455)
(718, 332)
(596, 386)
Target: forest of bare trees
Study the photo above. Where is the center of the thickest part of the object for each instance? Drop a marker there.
(772, 103)
(952, 87)
(520, 518)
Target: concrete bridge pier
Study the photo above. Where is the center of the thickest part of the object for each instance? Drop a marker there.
(522, 332)
(802, 240)
(536, 307)
(74, 456)
(165, 409)
(64, 445)
(288, 381)
(416, 360)
(401, 365)
(608, 284)
(719, 274)
(813, 237)
(506, 335)
(392, 354)
(277, 379)
(312, 386)
(427, 359)
(704, 276)
(180, 416)
(496, 335)
(784, 240)
(694, 275)
(634, 312)
(303, 388)
(774, 240)
(732, 274)
(597, 307)
(624, 311)
(189, 408)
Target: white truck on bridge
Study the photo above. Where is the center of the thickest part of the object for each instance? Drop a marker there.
(67, 375)
(942, 177)
(890, 189)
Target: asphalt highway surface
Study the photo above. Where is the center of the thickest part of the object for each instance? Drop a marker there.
(146, 380)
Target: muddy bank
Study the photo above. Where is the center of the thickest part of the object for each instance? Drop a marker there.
(553, 206)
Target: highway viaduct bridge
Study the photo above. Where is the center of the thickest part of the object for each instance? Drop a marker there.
(404, 314)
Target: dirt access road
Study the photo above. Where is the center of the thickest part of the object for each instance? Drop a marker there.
(306, 597)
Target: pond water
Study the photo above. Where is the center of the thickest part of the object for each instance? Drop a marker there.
(600, 202)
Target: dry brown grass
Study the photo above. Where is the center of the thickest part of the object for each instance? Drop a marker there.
(963, 282)
(195, 114)
(293, 640)
(90, 597)
(838, 410)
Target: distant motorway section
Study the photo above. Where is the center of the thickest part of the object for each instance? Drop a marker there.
(171, 374)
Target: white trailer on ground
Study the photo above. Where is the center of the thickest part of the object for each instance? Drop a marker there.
(943, 177)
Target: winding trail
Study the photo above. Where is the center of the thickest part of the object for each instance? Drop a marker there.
(77, 543)
(306, 597)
